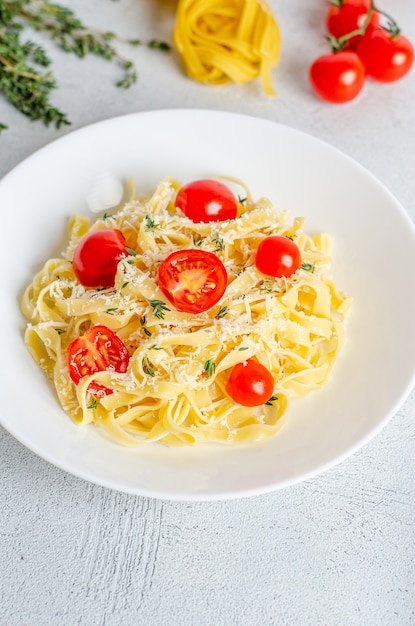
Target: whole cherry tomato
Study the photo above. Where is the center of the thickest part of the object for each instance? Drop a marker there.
(192, 280)
(250, 383)
(387, 56)
(98, 349)
(97, 255)
(207, 201)
(278, 256)
(348, 15)
(337, 77)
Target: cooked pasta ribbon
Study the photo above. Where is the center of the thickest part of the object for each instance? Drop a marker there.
(293, 326)
(230, 40)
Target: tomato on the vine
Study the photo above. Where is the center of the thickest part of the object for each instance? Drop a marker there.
(346, 16)
(97, 255)
(337, 77)
(278, 256)
(192, 280)
(207, 201)
(250, 383)
(387, 56)
(98, 349)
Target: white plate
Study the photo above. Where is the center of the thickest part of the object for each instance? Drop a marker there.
(374, 258)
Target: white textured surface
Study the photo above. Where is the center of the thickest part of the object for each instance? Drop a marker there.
(339, 549)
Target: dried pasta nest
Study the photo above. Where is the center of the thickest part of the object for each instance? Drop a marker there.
(228, 41)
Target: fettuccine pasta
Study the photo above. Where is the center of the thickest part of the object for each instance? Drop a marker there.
(293, 326)
(224, 41)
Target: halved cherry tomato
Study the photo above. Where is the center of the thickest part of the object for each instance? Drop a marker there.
(386, 56)
(337, 77)
(278, 256)
(98, 349)
(207, 201)
(97, 255)
(349, 15)
(192, 280)
(250, 383)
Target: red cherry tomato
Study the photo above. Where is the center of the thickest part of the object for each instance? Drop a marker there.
(278, 256)
(207, 201)
(349, 16)
(337, 77)
(98, 349)
(192, 280)
(386, 57)
(250, 383)
(96, 257)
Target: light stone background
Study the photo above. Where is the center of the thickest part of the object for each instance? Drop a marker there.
(336, 550)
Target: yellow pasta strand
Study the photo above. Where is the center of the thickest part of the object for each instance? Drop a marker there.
(293, 326)
(228, 40)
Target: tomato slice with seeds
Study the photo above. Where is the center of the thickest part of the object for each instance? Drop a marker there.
(97, 255)
(192, 280)
(97, 350)
(250, 383)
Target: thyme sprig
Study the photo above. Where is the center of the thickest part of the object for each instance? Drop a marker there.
(24, 81)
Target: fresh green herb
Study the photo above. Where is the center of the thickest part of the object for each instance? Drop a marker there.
(197, 242)
(271, 400)
(222, 312)
(105, 216)
(24, 80)
(60, 331)
(150, 224)
(219, 243)
(267, 285)
(123, 286)
(242, 200)
(243, 348)
(143, 326)
(210, 367)
(308, 267)
(156, 45)
(147, 366)
(69, 288)
(112, 309)
(94, 403)
(131, 251)
(159, 308)
(155, 347)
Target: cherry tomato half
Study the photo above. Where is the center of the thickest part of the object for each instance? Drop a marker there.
(192, 280)
(350, 15)
(97, 255)
(250, 383)
(386, 57)
(278, 256)
(207, 201)
(337, 77)
(98, 349)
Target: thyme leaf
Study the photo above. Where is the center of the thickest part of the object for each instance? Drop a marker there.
(209, 367)
(159, 308)
(148, 366)
(150, 223)
(24, 81)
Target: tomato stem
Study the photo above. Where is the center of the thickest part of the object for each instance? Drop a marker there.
(392, 26)
(338, 44)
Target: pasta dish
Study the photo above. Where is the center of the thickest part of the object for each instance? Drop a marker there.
(181, 323)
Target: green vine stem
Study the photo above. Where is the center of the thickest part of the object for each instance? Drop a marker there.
(340, 43)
